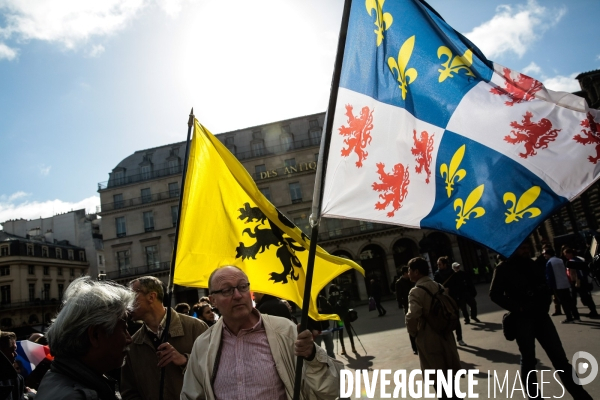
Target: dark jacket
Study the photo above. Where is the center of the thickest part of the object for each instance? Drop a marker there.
(339, 301)
(10, 379)
(403, 286)
(520, 286)
(140, 375)
(271, 305)
(70, 379)
(449, 279)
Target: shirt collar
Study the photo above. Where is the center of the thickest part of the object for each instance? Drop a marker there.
(256, 327)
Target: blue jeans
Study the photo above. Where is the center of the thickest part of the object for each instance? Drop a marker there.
(542, 328)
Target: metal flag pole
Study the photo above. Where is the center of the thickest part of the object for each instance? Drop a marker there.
(165, 334)
(322, 162)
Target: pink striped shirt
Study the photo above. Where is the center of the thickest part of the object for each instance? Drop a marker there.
(246, 368)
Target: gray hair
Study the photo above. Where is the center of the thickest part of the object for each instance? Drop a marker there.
(150, 284)
(87, 303)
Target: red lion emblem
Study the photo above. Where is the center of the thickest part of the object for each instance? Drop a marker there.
(592, 136)
(396, 184)
(520, 90)
(422, 151)
(534, 135)
(359, 132)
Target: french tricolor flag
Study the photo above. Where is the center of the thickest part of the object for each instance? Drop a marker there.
(31, 354)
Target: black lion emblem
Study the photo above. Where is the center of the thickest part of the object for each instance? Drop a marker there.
(267, 237)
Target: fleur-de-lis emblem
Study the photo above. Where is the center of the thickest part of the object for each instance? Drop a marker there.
(468, 208)
(454, 63)
(405, 77)
(383, 21)
(522, 206)
(453, 174)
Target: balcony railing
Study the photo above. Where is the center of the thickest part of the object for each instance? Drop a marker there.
(27, 304)
(275, 147)
(241, 153)
(172, 194)
(135, 175)
(143, 270)
(354, 230)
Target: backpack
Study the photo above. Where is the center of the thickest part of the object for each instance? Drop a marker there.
(443, 314)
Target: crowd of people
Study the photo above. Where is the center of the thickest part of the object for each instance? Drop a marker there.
(225, 345)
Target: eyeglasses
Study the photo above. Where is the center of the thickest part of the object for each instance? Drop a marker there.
(242, 288)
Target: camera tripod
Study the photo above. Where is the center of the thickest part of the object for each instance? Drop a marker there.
(341, 328)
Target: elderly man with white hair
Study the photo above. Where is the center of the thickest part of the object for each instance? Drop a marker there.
(88, 338)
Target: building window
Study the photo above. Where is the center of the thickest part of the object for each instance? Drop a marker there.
(229, 144)
(258, 148)
(46, 270)
(366, 226)
(118, 200)
(146, 171)
(123, 260)
(31, 270)
(295, 192)
(45, 252)
(61, 289)
(334, 227)
(59, 271)
(59, 253)
(120, 224)
(46, 291)
(148, 221)
(287, 141)
(174, 189)
(315, 132)
(71, 256)
(5, 271)
(119, 179)
(174, 214)
(290, 162)
(4, 251)
(5, 294)
(146, 195)
(152, 257)
(266, 192)
(302, 223)
(258, 169)
(30, 250)
(81, 255)
(173, 166)
(31, 291)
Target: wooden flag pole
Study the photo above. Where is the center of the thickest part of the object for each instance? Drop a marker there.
(315, 217)
(165, 334)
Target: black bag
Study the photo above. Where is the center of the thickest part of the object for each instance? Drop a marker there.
(352, 315)
(443, 313)
(509, 326)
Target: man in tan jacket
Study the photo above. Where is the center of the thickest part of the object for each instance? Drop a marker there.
(140, 374)
(246, 354)
(436, 351)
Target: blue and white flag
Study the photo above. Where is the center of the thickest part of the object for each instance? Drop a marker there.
(430, 134)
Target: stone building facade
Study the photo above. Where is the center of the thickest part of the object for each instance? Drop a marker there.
(139, 208)
(34, 275)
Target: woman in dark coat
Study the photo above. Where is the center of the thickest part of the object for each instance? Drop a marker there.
(340, 302)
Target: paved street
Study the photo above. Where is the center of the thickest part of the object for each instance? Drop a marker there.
(387, 347)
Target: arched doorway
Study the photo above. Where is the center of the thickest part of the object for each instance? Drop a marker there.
(372, 259)
(436, 245)
(404, 250)
(347, 280)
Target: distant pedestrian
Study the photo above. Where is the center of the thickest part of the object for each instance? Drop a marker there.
(468, 295)
(376, 295)
(520, 287)
(454, 287)
(437, 351)
(183, 308)
(339, 300)
(556, 275)
(403, 286)
(579, 282)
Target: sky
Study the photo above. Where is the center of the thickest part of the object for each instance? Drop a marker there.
(84, 83)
